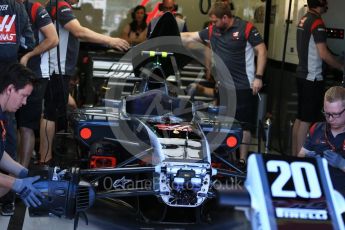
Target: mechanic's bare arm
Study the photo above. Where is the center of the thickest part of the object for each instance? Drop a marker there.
(261, 53)
(88, 35)
(328, 57)
(6, 183)
(188, 37)
(50, 41)
(208, 64)
(302, 152)
(11, 166)
(306, 153)
(71, 102)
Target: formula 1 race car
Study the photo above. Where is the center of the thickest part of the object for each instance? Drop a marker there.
(149, 143)
(171, 154)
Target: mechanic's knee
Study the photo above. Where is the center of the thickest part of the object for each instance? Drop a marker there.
(248, 128)
(25, 130)
(50, 115)
(3, 191)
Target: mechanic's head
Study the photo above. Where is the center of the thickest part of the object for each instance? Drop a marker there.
(227, 2)
(321, 5)
(16, 84)
(168, 6)
(334, 107)
(220, 15)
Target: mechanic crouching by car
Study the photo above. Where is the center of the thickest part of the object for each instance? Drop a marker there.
(328, 138)
(16, 84)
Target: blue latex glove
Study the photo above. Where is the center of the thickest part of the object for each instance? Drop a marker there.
(310, 154)
(23, 173)
(27, 192)
(334, 159)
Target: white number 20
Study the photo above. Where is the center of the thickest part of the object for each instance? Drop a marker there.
(295, 170)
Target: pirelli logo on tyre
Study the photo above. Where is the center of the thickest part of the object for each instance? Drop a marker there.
(8, 29)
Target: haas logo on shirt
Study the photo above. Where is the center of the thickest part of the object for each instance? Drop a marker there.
(8, 29)
(235, 35)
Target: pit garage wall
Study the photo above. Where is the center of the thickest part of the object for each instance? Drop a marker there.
(109, 16)
(334, 18)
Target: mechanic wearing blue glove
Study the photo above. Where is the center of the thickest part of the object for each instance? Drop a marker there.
(16, 84)
(311, 154)
(334, 159)
(27, 192)
(328, 138)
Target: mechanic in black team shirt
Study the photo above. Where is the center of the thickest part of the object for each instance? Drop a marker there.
(312, 50)
(328, 138)
(56, 97)
(16, 84)
(235, 41)
(15, 33)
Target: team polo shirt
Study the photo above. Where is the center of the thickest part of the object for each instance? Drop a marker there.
(15, 30)
(320, 139)
(39, 18)
(68, 43)
(310, 31)
(235, 47)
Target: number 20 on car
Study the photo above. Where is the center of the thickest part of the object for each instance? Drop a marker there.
(292, 193)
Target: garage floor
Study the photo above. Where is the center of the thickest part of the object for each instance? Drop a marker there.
(106, 214)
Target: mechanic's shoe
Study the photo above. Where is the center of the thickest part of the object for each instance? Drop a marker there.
(242, 164)
(7, 209)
